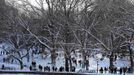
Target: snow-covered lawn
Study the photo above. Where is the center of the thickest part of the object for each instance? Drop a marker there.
(60, 62)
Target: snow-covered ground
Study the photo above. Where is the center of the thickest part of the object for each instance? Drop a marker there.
(92, 62)
(60, 62)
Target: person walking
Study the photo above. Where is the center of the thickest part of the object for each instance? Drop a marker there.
(120, 70)
(111, 69)
(129, 70)
(3, 67)
(30, 68)
(124, 70)
(101, 70)
(73, 68)
(105, 69)
(40, 68)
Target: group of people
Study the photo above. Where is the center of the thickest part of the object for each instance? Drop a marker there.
(74, 60)
(115, 70)
(33, 67)
(81, 63)
(48, 69)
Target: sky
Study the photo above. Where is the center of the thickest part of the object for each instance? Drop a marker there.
(36, 4)
(33, 2)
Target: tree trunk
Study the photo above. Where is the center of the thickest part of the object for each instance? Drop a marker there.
(111, 61)
(131, 60)
(66, 65)
(84, 59)
(53, 57)
(21, 64)
(42, 51)
(28, 57)
(66, 62)
(70, 63)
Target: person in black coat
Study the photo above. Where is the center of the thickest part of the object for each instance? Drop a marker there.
(60, 69)
(87, 64)
(3, 67)
(80, 62)
(30, 68)
(40, 68)
(111, 69)
(63, 68)
(124, 70)
(67, 69)
(105, 69)
(73, 68)
(34, 64)
(120, 70)
(129, 70)
(75, 61)
(115, 57)
(53, 68)
(101, 70)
